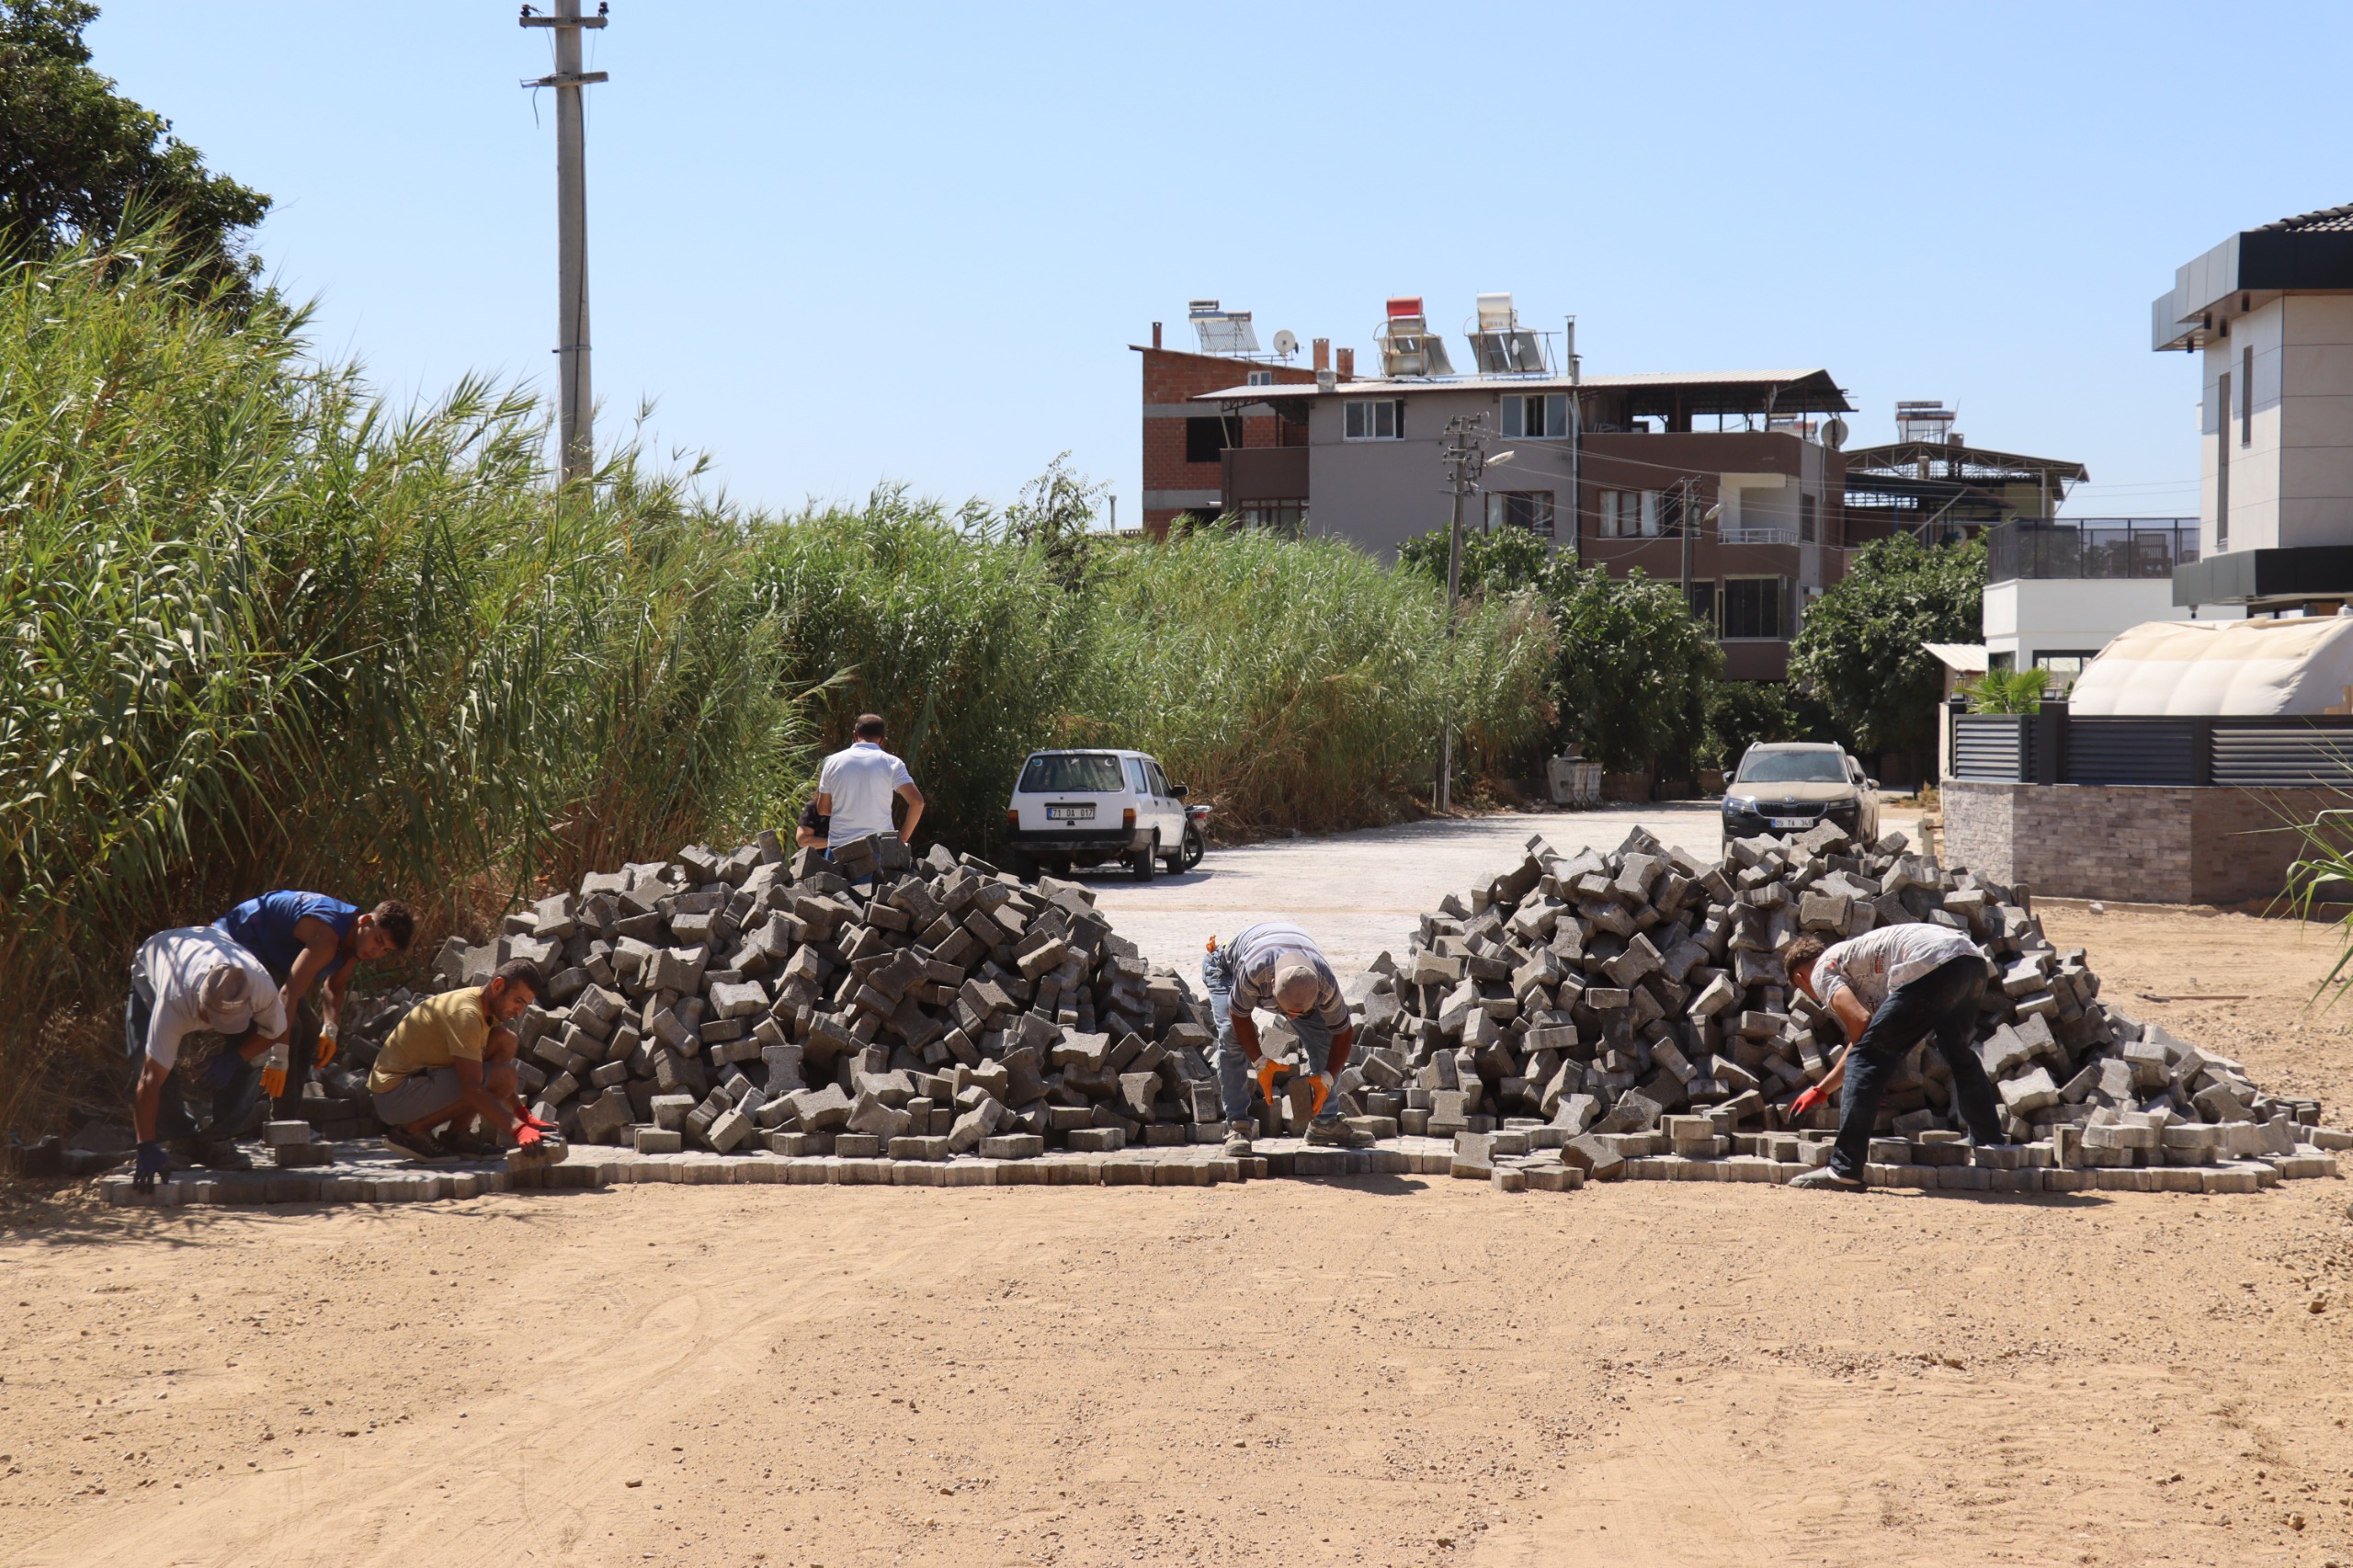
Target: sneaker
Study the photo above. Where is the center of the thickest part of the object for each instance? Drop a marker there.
(219, 1155)
(1331, 1132)
(1237, 1138)
(1823, 1177)
(415, 1145)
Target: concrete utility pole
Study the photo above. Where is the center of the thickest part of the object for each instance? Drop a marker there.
(1465, 456)
(576, 413)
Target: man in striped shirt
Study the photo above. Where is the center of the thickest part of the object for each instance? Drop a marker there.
(1277, 966)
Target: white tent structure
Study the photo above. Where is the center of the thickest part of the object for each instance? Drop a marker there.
(2213, 668)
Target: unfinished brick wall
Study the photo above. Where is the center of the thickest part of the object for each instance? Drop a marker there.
(1171, 379)
(2130, 843)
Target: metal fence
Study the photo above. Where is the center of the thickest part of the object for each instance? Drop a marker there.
(2090, 547)
(2055, 747)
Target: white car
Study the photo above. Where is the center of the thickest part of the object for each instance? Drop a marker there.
(1083, 808)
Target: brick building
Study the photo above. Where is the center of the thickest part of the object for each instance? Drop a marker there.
(1184, 442)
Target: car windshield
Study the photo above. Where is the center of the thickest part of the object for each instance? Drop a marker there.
(1793, 767)
(1067, 773)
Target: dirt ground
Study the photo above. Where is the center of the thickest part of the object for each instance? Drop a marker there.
(1400, 1371)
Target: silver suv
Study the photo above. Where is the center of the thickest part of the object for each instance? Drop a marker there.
(1785, 787)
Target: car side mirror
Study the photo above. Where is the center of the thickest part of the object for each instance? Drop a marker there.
(1177, 791)
(1870, 784)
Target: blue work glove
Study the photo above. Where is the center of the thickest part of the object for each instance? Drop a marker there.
(152, 1162)
(221, 1070)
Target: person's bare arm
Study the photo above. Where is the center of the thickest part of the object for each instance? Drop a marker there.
(1852, 1020)
(320, 947)
(1245, 1032)
(1344, 1040)
(149, 1099)
(913, 798)
(473, 1095)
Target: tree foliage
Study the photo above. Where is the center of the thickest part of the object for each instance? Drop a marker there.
(1494, 559)
(2008, 691)
(1636, 666)
(1859, 650)
(78, 158)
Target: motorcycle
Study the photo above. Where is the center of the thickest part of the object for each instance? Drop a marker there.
(1192, 846)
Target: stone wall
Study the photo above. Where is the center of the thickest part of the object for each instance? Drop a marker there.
(2131, 842)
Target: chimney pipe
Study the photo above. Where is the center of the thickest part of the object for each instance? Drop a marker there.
(1323, 353)
(1155, 335)
(1348, 363)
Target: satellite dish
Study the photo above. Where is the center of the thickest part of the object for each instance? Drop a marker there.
(1286, 344)
(1834, 432)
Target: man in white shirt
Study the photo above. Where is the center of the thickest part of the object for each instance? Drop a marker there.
(1889, 989)
(197, 978)
(856, 787)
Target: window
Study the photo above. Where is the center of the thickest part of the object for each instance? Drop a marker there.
(1703, 604)
(1282, 517)
(1068, 773)
(1542, 416)
(1805, 519)
(1158, 779)
(1629, 514)
(2222, 461)
(1529, 510)
(1205, 438)
(1366, 419)
(2068, 662)
(1822, 764)
(2246, 397)
(1136, 780)
(1753, 607)
(1260, 379)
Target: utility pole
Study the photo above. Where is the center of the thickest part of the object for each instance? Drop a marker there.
(576, 413)
(1465, 455)
(1685, 510)
(1576, 446)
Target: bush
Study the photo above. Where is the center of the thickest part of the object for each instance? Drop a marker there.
(1859, 650)
(1636, 666)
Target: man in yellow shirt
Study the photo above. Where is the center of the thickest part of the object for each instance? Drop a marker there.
(453, 1056)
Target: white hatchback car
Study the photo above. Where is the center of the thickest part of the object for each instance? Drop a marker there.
(1083, 808)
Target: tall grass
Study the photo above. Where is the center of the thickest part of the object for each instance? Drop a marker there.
(1297, 684)
(263, 628)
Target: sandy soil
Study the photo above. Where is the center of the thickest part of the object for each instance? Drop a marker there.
(1402, 1371)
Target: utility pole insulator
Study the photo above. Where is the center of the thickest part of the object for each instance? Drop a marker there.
(575, 410)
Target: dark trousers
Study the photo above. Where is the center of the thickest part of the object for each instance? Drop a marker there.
(230, 1104)
(1940, 1006)
(302, 1046)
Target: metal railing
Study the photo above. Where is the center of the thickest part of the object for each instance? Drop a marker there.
(2090, 547)
(2293, 751)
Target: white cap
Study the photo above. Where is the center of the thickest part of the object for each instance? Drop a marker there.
(226, 999)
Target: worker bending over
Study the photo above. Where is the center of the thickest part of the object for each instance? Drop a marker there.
(1277, 966)
(1890, 989)
(452, 1058)
(304, 940)
(181, 982)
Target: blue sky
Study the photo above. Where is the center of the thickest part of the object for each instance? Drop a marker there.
(842, 245)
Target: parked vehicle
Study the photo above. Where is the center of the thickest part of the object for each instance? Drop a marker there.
(1790, 785)
(1086, 808)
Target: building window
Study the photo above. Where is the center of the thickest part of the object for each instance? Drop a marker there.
(1204, 439)
(1703, 604)
(1753, 607)
(2246, 397)
(1286, 517)
(1260, 379)
(1529, 510)
(1368, 419)
(2067, 661)
(2222, 461)
(1805, 519)
(1535, 416)
(1629, 514)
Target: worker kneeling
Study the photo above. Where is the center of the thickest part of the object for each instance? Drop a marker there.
(452, 1058)
(1278, 966)
(1890, 989)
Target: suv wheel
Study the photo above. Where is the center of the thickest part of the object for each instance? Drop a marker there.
(1145, 861)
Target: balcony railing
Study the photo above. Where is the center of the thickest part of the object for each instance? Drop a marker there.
(1766, 535)
(2090, 547)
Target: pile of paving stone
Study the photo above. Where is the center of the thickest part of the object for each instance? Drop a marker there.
(1626, 1014)
(875, 1006)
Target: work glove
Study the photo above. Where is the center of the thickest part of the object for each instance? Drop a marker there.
(273, 1070)
(523, 1118)
(1322, 1082)
(528, 1136)
(1806, 1102)
(221, 1070)
(323, 1053)
(1267, 1070)
(152, 1162)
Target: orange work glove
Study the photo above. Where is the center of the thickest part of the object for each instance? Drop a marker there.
(1267, 1079)
(1806, 1102)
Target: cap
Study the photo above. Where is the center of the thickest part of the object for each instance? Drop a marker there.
(1297, 985)
(226, 999)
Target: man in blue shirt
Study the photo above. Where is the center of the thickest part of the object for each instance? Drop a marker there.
(302, 939)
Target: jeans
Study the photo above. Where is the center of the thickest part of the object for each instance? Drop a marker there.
(230, 1104)
(1234, 1064)
(1940, 1006)
(302, 1045)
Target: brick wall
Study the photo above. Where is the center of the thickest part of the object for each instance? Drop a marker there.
(2132, 844)
(1171, 379)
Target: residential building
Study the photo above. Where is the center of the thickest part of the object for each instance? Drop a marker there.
(1930, 482)
(1183, 441)
(2269, 313)
(2058, 589)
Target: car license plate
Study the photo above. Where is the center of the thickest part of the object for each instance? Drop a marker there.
(1790, 822)
(1071, 813)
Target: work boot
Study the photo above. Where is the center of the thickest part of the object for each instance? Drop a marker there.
(1823, 1179)
(1331, 1132)
(1237, 1138)
(219, 1155)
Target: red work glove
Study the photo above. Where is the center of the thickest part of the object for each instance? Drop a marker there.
(1806, 1102)
(528, 1136)
(523, 1118)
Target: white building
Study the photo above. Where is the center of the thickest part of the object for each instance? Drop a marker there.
(2057, 591)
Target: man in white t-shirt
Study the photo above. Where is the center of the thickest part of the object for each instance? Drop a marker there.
(1889, 989)
(195, 979)
(856, 785)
